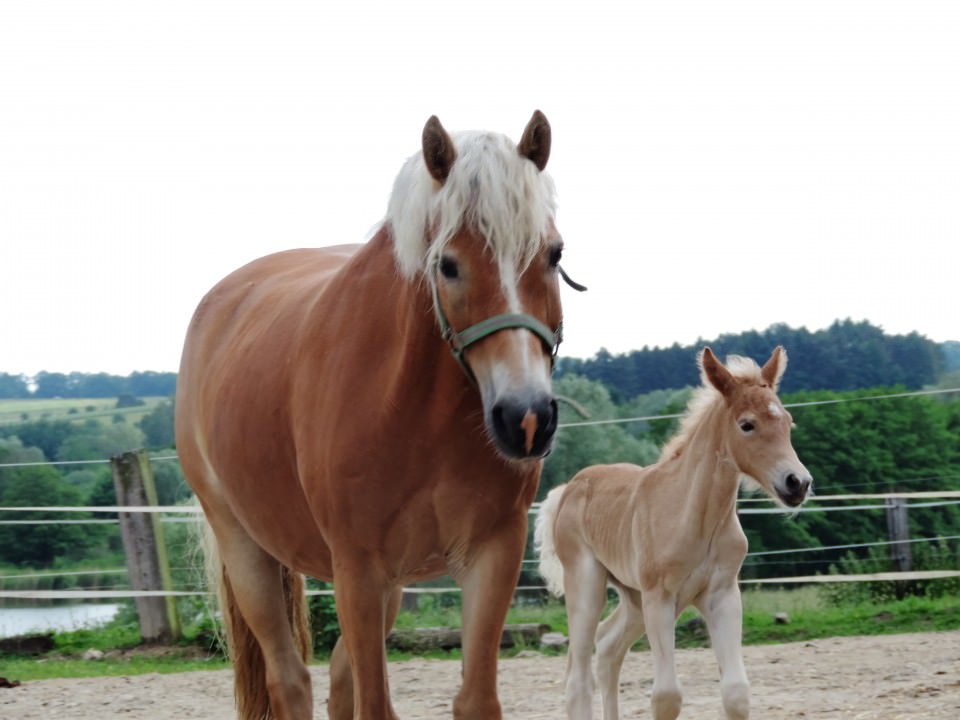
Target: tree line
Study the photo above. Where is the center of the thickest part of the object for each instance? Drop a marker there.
(846, 356)
(87, 385)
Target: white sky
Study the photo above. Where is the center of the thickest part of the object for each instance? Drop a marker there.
(720, 166)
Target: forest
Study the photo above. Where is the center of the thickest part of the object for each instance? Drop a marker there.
(859, 429)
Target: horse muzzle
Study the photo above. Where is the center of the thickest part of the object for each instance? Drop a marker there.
(794, 488)
(523, 430)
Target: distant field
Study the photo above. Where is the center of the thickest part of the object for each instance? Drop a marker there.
(73, 409)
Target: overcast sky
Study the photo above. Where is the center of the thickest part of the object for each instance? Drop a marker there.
(720, 166)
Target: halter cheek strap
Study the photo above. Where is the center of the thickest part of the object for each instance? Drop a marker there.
(460, 341)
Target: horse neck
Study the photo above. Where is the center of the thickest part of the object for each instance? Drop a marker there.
(708, 469)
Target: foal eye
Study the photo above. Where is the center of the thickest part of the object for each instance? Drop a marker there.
(555, 255)
(746, 426)
(448, 268)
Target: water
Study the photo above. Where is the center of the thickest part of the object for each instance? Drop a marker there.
(19, 621)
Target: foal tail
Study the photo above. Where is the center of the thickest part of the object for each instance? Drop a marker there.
(250, 677)
(551, 569)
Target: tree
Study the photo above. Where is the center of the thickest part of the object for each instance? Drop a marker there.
(39, 545)
(157, 426)
(95, 441)
(13, 386)
(45, 435)
(577, 447)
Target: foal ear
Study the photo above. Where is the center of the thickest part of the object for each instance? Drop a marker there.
(715, 373)
(773, 369)
(535, 143)
(438, 150)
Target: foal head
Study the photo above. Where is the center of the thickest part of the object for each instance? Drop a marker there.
(757, 425)
(473, 216)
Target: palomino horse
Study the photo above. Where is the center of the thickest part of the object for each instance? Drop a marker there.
(667, 536)
(327, 430)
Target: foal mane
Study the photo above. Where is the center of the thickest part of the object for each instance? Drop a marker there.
(706, 399)
(491, 189)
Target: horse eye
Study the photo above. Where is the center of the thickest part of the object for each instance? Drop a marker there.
(746, 426)
(555, 255)
(448, 268)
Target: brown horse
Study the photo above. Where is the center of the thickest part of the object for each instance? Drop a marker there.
(667, 536)
(327, 429)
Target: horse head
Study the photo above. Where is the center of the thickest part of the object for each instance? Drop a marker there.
(490, 256)
(758, 426)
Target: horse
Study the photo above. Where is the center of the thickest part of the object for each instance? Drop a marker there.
(376, 415)
(667, 536)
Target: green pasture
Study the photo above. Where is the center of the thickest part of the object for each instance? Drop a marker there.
(14, 411)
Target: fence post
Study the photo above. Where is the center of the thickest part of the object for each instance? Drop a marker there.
(144, 547)
(898, 528)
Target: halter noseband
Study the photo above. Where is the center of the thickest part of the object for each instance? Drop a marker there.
(459, 341)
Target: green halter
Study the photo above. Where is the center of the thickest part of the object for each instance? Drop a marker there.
(460, 341)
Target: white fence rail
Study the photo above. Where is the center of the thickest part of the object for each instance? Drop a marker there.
(190, 513)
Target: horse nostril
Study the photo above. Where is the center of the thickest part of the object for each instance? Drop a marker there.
(793, 484)
(499, 423)
(550, 426)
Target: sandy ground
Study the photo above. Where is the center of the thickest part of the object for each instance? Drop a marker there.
(893, 677)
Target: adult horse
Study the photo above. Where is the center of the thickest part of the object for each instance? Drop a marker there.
(667, 536)
(327, 430)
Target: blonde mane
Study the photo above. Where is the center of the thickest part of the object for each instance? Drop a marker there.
(491, 189)
(707, 398)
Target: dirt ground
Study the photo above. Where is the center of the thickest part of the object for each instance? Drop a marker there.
(892, 677)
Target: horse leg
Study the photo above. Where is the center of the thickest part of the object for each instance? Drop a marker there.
(363, 595)
(340, 704)
(255, 582)
(722, 610)
(660, 616)
(487, 584)
(616, 634)
(585, 589)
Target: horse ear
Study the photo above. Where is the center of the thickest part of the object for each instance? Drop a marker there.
(438, 150)
(535, 143)
(715, 373)
(773, 369)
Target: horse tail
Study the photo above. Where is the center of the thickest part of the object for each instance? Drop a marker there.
(250, 677)
(551, 569)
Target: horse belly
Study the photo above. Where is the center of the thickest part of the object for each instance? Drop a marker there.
(233, 396)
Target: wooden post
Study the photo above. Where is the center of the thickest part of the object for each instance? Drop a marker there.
(144, 547)
(898, 528)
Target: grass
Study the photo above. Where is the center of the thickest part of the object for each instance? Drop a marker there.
(13, 411)
(812, 616)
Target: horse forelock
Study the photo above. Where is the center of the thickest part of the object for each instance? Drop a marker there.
(491, 190)
(707, 398)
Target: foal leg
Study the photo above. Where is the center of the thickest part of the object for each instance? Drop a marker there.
(255, 577)
(721, 608)
(615, 636)
(585, 589)
(340, 703)
(660, 616)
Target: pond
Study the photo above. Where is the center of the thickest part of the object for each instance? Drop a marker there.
(22, 620)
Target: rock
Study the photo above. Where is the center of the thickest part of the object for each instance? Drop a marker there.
(553, 640)
(528, 654)
(93, 654)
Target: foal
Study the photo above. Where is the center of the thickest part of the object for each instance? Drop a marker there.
(667, 536)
